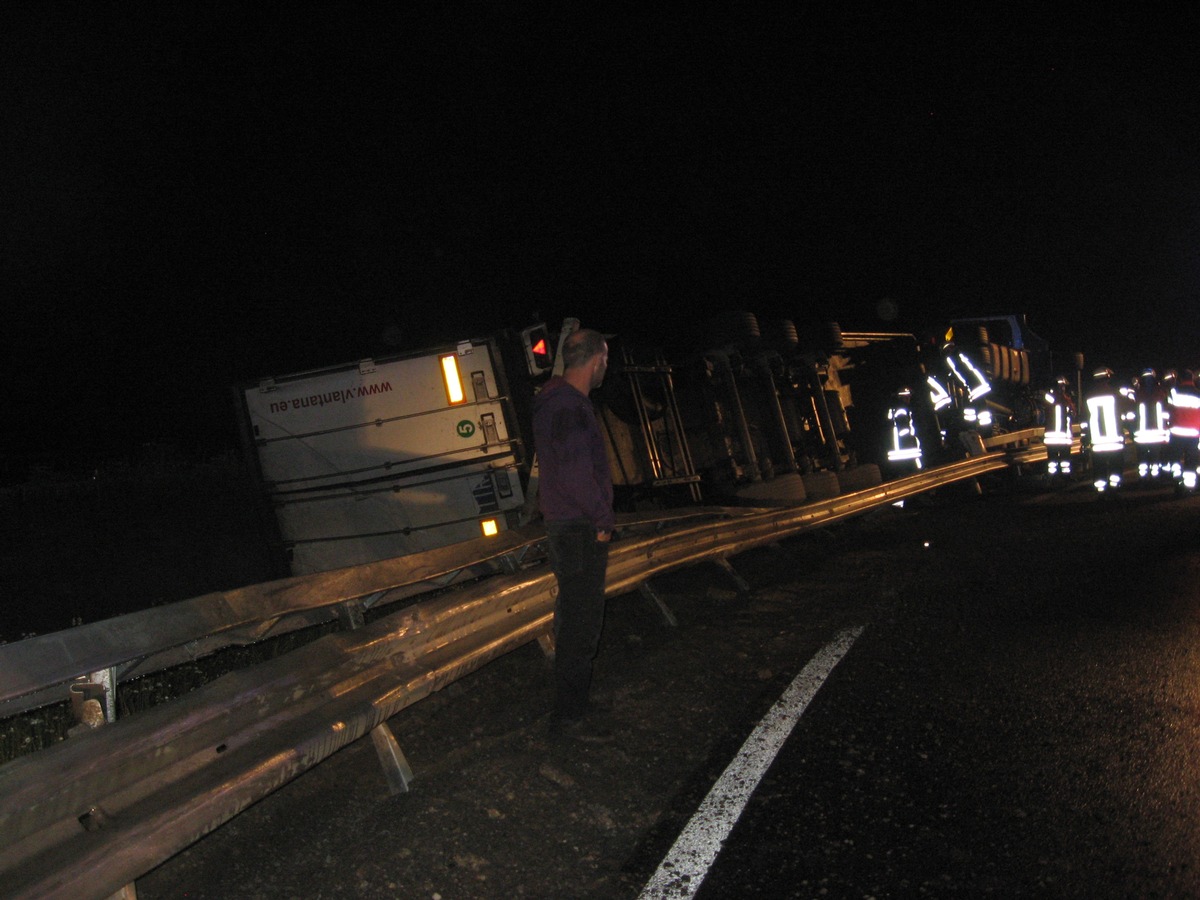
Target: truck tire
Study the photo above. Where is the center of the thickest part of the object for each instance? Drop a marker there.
(821, 485)
(788, 489)
(859, 478)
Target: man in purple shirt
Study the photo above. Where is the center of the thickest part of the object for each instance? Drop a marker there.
(575, 494)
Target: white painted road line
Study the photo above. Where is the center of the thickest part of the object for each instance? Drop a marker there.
(680, 874)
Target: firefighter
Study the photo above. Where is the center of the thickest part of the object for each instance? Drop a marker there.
(972, 387)
(1105, 409)
(906, 444)
(1060, 414)
(1150, 434)
(1183, 408)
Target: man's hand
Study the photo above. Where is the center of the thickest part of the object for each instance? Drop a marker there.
(603, 536)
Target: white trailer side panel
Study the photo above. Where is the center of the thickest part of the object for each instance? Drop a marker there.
(382, 459)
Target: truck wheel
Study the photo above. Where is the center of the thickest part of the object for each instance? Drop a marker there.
(821, 485)
(786, 489)
(859, 478)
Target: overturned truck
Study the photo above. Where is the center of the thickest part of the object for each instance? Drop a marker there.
(388, 457)
(754, 416)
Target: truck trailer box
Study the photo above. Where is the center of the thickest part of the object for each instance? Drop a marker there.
(386, 457)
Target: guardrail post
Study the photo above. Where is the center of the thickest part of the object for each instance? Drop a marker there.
(650, 594)
(94, 699)
(351, 615)
(725, 566)
(396, 769)
(514, 562)
(87, 705)
(546, 642)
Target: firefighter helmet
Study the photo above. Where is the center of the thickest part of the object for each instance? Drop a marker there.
(1102, 374)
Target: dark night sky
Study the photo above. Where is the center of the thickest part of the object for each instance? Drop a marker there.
(197, 196)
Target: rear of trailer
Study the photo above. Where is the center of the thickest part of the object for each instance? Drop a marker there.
(386, 457)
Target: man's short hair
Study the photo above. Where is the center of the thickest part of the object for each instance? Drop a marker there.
(581, 346)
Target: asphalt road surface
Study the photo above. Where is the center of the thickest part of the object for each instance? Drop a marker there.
(1024, 721)
(1015, 713)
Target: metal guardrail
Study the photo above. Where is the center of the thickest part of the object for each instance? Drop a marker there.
(86, 817)
(37, 670)
(34, 671)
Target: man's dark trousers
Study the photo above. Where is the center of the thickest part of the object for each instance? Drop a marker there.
(579, 562)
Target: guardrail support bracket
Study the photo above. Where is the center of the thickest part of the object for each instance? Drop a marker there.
(396, 769)
(514, 562)
(650, 594)
(90, 702)
(739, 582)
(546, 642)
(351, 615)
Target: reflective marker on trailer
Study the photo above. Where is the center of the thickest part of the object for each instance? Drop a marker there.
(490, 528)
(454, 388)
